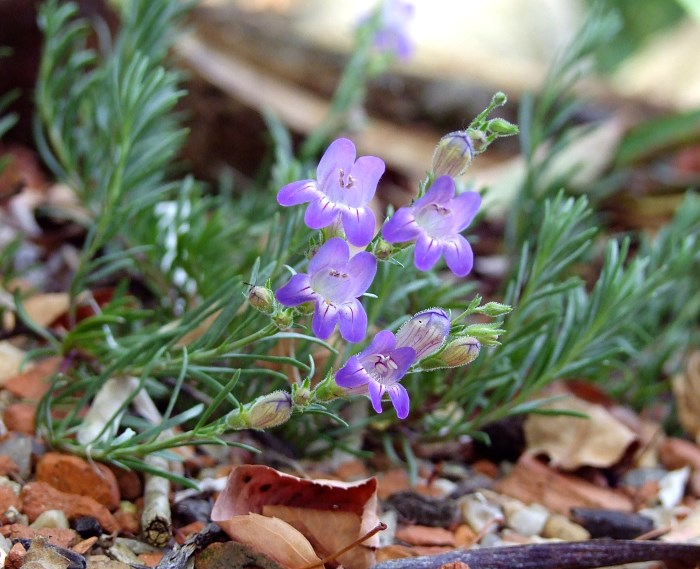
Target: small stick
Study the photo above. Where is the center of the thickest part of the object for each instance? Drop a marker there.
(574, 555)
(105, 410)
(381, 526)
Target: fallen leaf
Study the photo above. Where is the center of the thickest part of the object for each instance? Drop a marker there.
(598, 439)
(272, 537)
(328, 531)
(686, 389)
(317, 508)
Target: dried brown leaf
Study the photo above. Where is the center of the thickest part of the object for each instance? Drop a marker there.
(598, 440)
(272, 537)
(686, 389)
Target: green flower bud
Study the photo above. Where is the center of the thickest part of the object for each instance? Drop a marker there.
(499, 99)
(453, 154)
(458, 352)
(283, 319)
(269, 410)
(502, 127)
(262, 299)
(383, 250)
(494, 309)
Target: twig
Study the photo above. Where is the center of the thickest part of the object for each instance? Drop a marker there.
(576, 555)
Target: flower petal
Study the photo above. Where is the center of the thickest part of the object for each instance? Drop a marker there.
(459, 255)
(401, 226)
(376, 391)
(297, 291)
(352, 374)
(382, 343)
(464, 207)
(399, 397)
(359, 225)
(365, 173)
(427, 252)
(425, 332)
(340, 155)
(441, 192)
(404, 358)
(298, 192)
(320, 213)
(324, 320)
(353, 321)
(333, 253)
(362, 268)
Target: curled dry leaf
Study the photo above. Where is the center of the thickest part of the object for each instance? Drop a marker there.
(686, 389)
(272, 537)
(598, 439)
(329, 514)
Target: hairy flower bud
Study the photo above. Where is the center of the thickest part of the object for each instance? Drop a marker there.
(458, 352)
(453, 154)
(269, 410)
(426, 332)
(283, 319)
(502, 127)
(262, 299)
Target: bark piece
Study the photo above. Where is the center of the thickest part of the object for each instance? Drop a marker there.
(533, 481)
(611, 523)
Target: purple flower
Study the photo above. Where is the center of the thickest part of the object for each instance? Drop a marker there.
(378, 369)
(393, 34)
(343, 190)
(333, 283)
(425, 332)
(434, 222)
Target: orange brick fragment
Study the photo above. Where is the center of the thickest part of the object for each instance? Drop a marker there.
(20, 418)
(58, 536)
(8, 466)
(424, 535)
(74, 475)
(33, 383)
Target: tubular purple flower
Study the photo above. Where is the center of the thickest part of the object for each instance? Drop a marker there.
(435, 222)
(342, 191)
(425, 332)
(393, 35)
(377, 370)
(333, 284)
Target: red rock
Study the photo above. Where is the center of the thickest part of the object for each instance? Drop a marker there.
(15, 557)
(8, 466)
(181, 534)
(151, 559)
(20, 418)
(129, 522)
(37, 497)
(424, 535)
(676, 453)
(129, 482)
(33, 383)
(83, 547)
(8, 499)
(74, 475)
(58, 536)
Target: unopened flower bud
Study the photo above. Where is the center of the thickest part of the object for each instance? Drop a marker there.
(502, 127)
(269, 410)
(426, 332)
(283, 319)
(453, 154)
(383, 250)
(458, 352)
(499, 99)
(262, 299)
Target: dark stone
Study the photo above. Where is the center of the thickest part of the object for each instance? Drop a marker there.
(612, 523)
(87, 526)
(416, 509)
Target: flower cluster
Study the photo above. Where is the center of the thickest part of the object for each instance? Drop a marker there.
(340, 196)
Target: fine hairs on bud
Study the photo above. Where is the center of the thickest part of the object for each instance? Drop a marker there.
(453, 154)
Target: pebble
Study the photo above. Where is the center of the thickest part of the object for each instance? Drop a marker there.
(8, 466)
(527, 520)
(638, 477)
(18, 448)
(15, 557)
(57, 536)
(8, 499)
(51, 519)
(561, 527)
(20, 418)
(87, 526)
(424, 535)
(75, 475)
(672, 487)
(479, 513)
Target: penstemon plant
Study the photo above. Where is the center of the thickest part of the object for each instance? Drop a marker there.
(248, 312)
